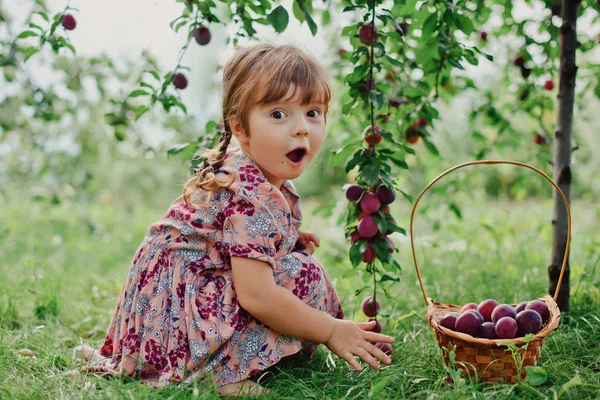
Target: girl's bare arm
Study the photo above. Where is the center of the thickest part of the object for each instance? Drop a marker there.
(280, 309)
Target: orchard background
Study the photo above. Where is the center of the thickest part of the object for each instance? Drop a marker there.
(103, 111)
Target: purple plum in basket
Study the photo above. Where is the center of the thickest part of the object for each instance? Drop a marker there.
(506, 328)
(488, 330)
(521, 306)
(468, 323)
(541, 308)
(478, 314)
(468, 306)
(486, 307)
(529, 321)
(501, 311)
(449, 320)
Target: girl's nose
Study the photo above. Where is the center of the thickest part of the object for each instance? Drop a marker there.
(301, 128)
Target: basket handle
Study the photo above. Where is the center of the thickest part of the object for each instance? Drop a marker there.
(562, 195)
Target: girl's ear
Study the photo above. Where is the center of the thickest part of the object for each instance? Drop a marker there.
(238, 131)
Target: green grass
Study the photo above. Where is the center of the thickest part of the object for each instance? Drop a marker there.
(62, 268)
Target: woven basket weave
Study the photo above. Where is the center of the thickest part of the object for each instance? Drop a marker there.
(487, 360)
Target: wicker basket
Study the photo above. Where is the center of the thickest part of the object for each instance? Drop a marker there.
(488, 360)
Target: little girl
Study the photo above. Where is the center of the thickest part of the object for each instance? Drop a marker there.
(225, 285)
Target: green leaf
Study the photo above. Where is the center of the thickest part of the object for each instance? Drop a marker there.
(34, 26)
(154, 74)
(279, 19)
(536, 375)
(70, 47)
(407, 196)
(409, 149)
(356, 158)
(180, 105)
(371, 174)
(575, 381)
(145, 84)
(464, 23)
(140, 110)
(309, 20)
(178, 148)
(356, 255)
(455, 209)
(26, 34)
(376, 98)
(380, 250)
(488, 56)
(180, 24)
(28, 52)
(325, 17)
(138, 92)
(43, 15)
(298, 11)
(348, 106)
(429, 25)
(339, 156)
(312, 25)
(431, 147)
(385, 278)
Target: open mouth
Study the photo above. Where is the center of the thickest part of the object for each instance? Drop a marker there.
(296, 155)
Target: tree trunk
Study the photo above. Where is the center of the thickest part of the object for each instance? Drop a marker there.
(562, 148)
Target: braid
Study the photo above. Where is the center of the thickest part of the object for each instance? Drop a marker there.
(206, 174)
(223, 145)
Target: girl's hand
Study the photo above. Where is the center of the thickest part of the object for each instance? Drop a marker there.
(349, 339)
(308, 241)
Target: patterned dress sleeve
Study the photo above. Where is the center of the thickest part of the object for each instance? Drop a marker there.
(250, 230)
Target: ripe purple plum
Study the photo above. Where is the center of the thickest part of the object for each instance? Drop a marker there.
(488, 330)
(368, 34)
(353, 192)
(202, 35)
(370, 203)
(449, 320)
(386, 195)
(506, 328)
(486, 307)
(385, 347)
(68, 22)
(468, 306)
(468, 323)
(369, 307)
(179, 80)
(367, 227)
(369, 255)
(501, 311)
(478, 314)
(529, 321)
(541, 308)
(377, 328)
(520, 307)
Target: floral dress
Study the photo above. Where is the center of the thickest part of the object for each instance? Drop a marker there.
(178, 317)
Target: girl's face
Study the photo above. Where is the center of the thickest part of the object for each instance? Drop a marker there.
(284, 136)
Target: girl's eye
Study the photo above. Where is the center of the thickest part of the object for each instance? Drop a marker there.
(314, 113)
(278, 114)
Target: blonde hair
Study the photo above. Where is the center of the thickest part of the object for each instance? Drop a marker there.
(258, 74)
